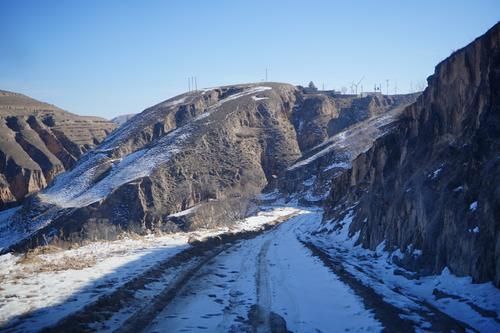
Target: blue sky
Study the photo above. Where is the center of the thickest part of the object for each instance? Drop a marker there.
(114, 57)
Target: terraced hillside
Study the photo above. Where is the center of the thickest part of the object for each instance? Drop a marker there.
(39, 141)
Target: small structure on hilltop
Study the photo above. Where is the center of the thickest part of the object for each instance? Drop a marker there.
(311, 88)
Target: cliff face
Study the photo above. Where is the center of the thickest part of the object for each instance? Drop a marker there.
(432, 183)
(210, 149)
(39, 141)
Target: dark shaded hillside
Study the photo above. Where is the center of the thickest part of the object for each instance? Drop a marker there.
(433, 182)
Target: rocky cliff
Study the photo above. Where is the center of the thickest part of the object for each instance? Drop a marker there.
(39, 141)
(430, 186)
(202, 151)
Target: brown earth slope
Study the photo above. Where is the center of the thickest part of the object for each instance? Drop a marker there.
(39, 141)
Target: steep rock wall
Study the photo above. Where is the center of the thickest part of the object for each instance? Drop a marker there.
(433, 183)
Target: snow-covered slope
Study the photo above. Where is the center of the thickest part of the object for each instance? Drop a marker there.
(210, 146)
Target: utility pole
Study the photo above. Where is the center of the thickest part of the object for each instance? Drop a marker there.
(387, 86)
(395, 88)
(266, 75)
(323, 86)
(189, 84)
(195, 84)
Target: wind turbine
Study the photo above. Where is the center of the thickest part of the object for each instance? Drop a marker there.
(357, 84)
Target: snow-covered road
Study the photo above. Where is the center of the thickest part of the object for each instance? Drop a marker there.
(263, 283)
(279, 269)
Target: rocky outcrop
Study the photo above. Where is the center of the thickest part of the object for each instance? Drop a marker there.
(206, 150)
(39, 141)
(319, 116)
(430, 187)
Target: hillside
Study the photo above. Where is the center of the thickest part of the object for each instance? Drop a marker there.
(429, 188)
(39, 141)
(217, 147)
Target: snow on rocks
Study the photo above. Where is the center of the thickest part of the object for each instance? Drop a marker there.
(436, 173)
(8, 232)
(335, 165)
(350, 142)
(77, 188)
(474, 230)
(245, 92)
(152, 114)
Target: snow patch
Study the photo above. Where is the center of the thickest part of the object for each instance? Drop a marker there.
(350, 142)
(337, 165)
(474, 230)
(185, 212)
(77, 187)
(436, 172)
(310, 181)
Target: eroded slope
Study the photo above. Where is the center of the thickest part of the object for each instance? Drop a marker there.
(39, 141)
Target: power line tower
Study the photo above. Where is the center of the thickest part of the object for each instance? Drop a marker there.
(192, 83)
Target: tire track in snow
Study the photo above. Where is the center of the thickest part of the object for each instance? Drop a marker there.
(262, 286)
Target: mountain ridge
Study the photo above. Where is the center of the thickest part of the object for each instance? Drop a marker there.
(215, 147)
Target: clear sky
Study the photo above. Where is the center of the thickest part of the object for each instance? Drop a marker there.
(115, 57)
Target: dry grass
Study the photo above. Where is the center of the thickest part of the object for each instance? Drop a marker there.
(35, 262)
(32, 256)
(67, 263)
